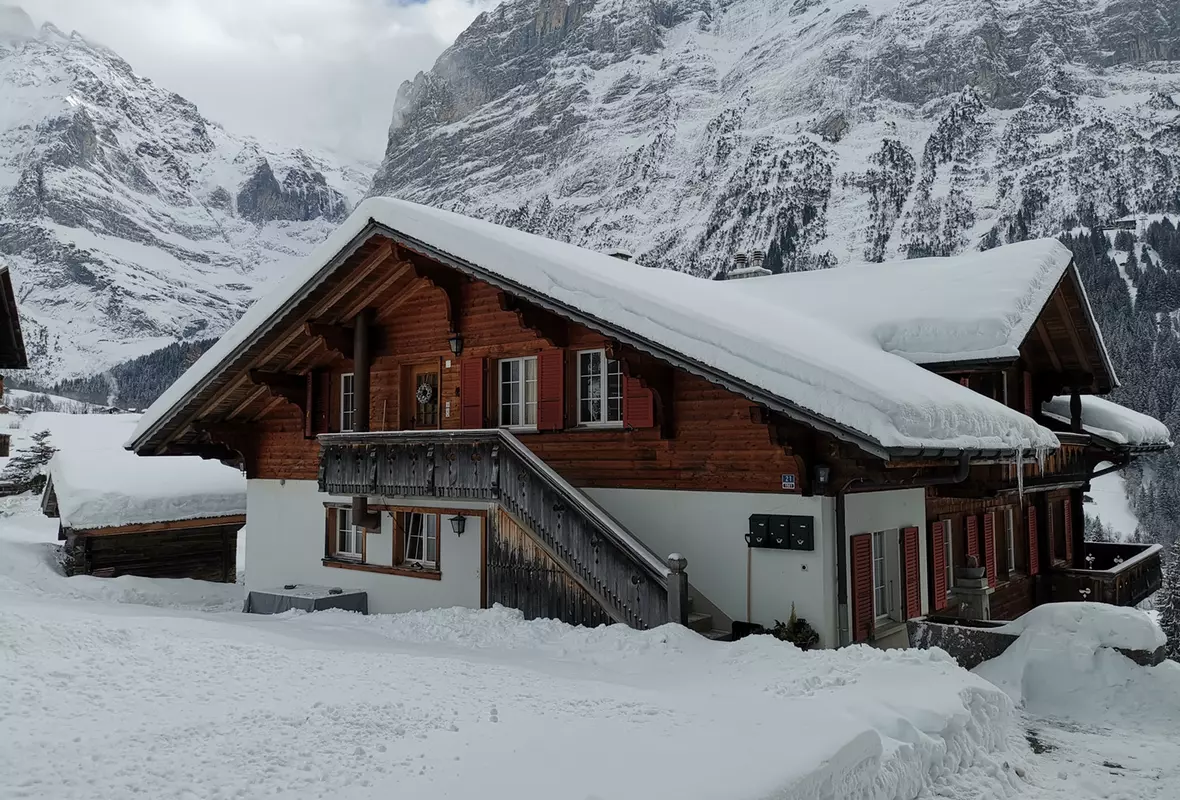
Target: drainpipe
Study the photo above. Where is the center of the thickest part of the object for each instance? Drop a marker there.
(964, 469)
(361, 363)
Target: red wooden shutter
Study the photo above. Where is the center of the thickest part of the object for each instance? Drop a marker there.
(1028, 394)
(938, 561)
(965, 382)
(471, 399)
(973, 536)
(551, 390)
(989, 546)
(862, 586)
(638, 405)
(1067, 508)
(913, 573)
(1034, 551)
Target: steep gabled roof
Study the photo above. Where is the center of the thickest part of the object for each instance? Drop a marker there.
(976, 307)
(835, 378)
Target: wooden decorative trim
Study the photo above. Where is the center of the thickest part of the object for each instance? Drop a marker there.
(404, 572)
(171, 525)
(549, 326)
(336, 338)
(450, 283)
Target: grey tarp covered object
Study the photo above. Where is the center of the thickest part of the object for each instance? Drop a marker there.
(305, 597)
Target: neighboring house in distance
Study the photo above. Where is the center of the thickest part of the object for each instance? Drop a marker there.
(159, 518)
(12, 344)
(441, 411)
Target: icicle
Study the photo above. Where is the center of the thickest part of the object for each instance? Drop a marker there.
(1020, 472)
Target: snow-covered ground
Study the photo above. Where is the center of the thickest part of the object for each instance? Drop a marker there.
(133, 687)
(1111, 505)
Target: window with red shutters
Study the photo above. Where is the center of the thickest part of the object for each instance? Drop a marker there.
(972, 536)
(1067, 505)
(938, 566)
(471, 393)
(989, 547)
(1034, 550)
(861, 546)
(551, 390)
(638, 405)
(913, 572)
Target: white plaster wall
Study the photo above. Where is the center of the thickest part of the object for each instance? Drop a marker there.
(709, 528)
(286, 545)
(879, 511)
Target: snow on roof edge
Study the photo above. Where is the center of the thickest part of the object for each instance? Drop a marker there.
(1113, 422)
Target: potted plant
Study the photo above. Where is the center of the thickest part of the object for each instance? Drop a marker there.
(797, 631)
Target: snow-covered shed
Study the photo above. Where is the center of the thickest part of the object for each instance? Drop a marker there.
(126, 515)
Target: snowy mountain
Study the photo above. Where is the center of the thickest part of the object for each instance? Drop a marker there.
(835, 131)
(128, 219)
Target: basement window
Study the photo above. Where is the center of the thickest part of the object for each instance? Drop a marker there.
(347, 402)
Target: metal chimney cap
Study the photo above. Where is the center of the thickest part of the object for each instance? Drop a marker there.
(739, 259)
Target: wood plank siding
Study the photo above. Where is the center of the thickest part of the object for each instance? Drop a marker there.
(206, 552)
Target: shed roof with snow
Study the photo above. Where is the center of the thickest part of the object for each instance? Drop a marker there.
(825, 369)
(1117, 427)
(108, 488)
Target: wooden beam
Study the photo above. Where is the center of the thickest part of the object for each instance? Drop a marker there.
(170, 525)
(450, 283)
(335, 338)
(400, 270)
(1047, 343)
(545, 324)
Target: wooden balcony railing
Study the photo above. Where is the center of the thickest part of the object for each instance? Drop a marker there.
(1065, 464)
(1120, 575)
(610, 565)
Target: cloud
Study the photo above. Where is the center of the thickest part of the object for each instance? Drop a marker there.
(320, 73)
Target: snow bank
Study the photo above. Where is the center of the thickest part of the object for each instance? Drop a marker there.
(841, 375)
(1063, 665)
(1112, 422)
(105, 488)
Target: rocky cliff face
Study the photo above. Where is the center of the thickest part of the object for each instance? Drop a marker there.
(832, 131)
(128, 219)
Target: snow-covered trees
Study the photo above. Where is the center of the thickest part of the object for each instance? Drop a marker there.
(1168, 602)
(26, 469)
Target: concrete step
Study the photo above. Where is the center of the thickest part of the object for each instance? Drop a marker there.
(701, 623)
(718, 636)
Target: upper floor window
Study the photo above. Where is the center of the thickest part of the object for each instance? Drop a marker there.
(518, 392)
(600, 389)
(347, 402)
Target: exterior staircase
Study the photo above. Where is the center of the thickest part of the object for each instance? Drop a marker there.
(551, 551)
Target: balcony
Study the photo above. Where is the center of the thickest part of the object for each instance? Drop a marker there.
(1118, 574)
(1067, 464)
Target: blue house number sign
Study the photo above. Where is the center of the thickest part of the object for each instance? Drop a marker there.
(788, 482)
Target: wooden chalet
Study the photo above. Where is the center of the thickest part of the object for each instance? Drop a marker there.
(441, 412)
(12, 342)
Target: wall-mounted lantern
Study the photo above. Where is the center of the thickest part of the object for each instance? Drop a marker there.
(458, 524)
(455, 340)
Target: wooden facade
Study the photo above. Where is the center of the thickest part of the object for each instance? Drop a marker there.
(204, 549)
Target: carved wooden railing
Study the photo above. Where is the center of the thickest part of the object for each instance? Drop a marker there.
(1066, 463)
(1120, 575)
(631, 582)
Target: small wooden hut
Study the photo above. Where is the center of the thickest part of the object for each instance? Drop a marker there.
(160, 518)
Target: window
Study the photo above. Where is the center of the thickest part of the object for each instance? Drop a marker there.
(600, 389)
(420, 532)
(349, 539)
(1057, 528)
(1010, 532)
(880, 579)
(518, 392)
(347, 402)
(949, 553)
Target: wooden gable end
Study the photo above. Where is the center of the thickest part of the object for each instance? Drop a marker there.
(1064, 349)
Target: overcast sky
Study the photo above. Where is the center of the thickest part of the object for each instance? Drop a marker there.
(311, 72)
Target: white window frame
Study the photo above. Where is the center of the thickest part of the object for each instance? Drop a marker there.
(347, 401)
(880, 576)
(603, 400)
(948, 544)
(354, 537)
(524, 404)
(1010, 522)
(427, 536)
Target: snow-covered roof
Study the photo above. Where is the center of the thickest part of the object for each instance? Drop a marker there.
(836, 373)
(104, 488)
(976, 306)
(1112, 422)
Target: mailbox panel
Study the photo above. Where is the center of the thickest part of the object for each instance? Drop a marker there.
(759, 535)
(780, 532)
(802, 534)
